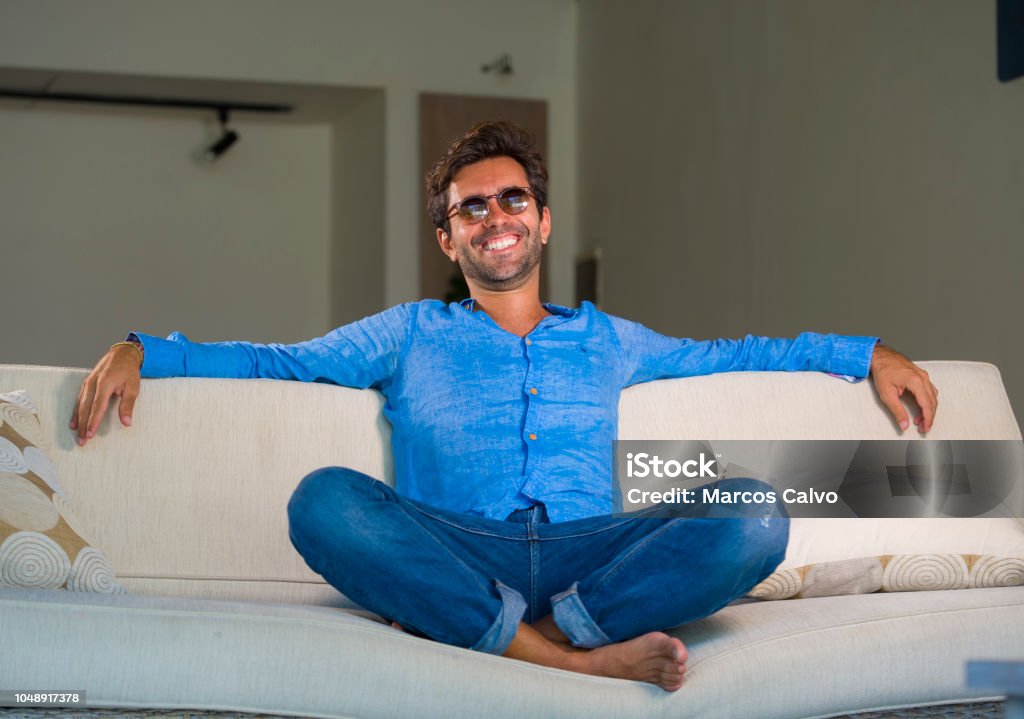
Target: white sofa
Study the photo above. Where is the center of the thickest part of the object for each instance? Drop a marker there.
(222, 614)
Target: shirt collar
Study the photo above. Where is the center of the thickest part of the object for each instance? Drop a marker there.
(469, 304)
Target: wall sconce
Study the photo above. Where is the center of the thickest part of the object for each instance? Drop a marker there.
(226, 140)
(500, 66)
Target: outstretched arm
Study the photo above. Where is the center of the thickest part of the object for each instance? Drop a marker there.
(648, 355)
(893, 375)
(361, 354)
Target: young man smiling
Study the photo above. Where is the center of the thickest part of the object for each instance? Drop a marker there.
(499, 535)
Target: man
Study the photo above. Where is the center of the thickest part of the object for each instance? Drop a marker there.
(500, 536)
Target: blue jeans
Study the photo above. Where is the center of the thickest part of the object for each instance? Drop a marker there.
(470, 581)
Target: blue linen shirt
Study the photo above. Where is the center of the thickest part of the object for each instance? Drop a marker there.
(486, 422)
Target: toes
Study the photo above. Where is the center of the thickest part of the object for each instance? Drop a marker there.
(671, 681)
(671, 673)
(680, 654)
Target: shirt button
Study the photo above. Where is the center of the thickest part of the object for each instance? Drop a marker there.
(529, 342)
(533, 436)
(533, 390)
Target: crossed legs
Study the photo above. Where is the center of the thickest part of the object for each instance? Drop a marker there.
(462, 580)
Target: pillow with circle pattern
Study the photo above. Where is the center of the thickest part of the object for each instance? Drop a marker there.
(859, 556)
(40, 548)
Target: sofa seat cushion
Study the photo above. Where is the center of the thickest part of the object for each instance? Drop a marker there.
(841, 654)
(808, 657)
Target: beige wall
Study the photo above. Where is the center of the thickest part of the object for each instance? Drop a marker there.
(395, 47)
(109, 223)
(845, 166)
(773, 167)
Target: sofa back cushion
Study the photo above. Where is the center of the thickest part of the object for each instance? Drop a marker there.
(190, 501)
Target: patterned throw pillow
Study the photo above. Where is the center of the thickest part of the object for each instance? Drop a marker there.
(39, 548)
(892, 573)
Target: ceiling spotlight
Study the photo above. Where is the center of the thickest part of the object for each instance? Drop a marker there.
(501, 66)
(226, 140)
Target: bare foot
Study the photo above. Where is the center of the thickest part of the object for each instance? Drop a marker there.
(655, 657)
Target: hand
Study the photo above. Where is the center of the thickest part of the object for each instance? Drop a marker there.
(894, 374)
(117, 374)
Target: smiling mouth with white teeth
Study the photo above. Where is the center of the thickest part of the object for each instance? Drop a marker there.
(499, 243)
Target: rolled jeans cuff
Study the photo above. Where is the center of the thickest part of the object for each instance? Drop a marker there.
(575, 621)
(497, 638)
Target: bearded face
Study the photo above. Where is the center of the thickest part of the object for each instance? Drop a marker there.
(502, 251)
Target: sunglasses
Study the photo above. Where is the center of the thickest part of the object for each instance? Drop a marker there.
(474, 209)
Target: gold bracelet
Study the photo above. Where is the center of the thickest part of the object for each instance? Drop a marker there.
(136, 345)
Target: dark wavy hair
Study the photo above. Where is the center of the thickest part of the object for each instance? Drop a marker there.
(484, 141)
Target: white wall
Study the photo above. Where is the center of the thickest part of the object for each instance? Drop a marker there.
(773, 167)
(109, 223)
(401, 46)
(359, 219)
